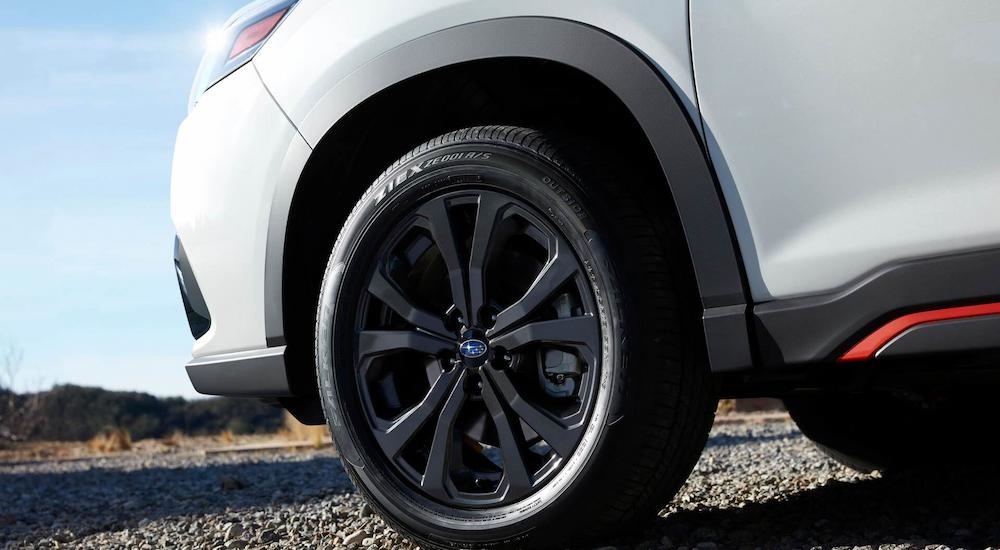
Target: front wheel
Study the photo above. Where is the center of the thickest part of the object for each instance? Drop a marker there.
(501, 348)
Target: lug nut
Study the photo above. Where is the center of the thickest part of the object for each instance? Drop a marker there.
(502, 360)
(455, 319)
(488, 316)
(473, 384)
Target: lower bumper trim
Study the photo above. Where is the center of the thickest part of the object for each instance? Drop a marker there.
(254, 373)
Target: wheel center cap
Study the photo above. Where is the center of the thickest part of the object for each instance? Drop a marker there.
(473, 348)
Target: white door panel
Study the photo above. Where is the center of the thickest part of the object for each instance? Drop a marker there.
(850, 134)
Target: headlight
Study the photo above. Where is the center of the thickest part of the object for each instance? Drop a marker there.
(236, 43)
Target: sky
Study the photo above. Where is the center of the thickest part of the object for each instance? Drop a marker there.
(91, 97)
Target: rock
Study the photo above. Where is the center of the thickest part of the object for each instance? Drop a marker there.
(234, 531)
(269, 535)
(354, 538)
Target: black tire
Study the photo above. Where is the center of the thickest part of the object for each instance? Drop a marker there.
(894, 432)
(650, 401)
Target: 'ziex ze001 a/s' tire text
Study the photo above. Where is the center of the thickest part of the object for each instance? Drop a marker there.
(501, 348)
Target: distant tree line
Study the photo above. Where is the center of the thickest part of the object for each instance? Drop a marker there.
(75, 413)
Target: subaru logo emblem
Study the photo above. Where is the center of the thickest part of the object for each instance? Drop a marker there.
(473, 348)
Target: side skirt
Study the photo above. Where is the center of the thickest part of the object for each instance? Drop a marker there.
(824, 328)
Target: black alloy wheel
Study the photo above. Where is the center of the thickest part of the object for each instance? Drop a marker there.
(501, 348)
(477, 348)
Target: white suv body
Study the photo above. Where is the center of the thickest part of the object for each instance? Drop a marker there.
(839, 149)
(833, 165)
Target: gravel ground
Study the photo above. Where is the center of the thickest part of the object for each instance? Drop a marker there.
(756, 486)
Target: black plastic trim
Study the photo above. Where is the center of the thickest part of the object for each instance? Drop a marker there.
(818, 328)
(642, 89)
(957, 335)
(198, 317)
(727, 337)
(255, 373)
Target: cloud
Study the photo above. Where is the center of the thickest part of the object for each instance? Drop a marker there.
(144, 77)
(58, 71)
(82, 42)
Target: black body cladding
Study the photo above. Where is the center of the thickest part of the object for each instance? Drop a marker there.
(819, 328)
(651, 101)
(198, 317)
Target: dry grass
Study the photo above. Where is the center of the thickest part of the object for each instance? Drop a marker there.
(751, 405)
(115, 440)
(179, 443)
(726, 406)
(173, 440)
(227, 437)
(297, 431)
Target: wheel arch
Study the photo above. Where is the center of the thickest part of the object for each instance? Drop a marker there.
(438, 81)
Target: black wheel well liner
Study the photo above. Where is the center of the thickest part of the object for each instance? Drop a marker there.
(599, 88)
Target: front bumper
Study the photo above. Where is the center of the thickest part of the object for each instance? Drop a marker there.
(233, 153)
(255, 373)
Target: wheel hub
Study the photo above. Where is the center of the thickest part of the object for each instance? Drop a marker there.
(473, 349)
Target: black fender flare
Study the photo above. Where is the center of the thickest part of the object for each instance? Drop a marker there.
(649, 97)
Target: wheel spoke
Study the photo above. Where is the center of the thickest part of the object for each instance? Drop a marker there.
(509, 432)
(577, 332)
(385, 290)
(406, 427)
(439, 459)
(378, 342)
(554, 275)
(438, 222)
(485, 234)
(559, 437)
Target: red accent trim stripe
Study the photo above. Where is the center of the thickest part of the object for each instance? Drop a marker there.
(867, 348)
